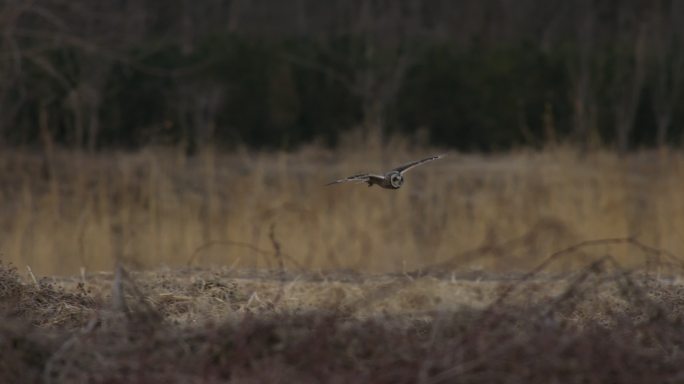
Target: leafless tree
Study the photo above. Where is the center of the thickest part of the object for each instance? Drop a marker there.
(33, 31)
(385, 31)
(60, 54)
(666, 43)
(629, 75)
(583, 73)
(10, 66)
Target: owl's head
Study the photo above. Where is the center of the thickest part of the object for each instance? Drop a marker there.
(396, 179)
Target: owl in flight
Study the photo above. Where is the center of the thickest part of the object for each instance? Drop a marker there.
(393, 179)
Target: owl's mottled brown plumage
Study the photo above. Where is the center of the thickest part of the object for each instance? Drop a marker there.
(393, 179)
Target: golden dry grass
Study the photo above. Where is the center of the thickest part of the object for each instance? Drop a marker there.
(61, 211)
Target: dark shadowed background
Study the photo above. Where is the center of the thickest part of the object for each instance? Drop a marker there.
(471, 75)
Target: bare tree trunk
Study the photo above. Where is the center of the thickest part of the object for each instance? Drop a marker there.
(93, 123)
(582, 93)
(627, 91)
(301, 17)
(379, 81)
(668, 62)
(187, 28)
(73, 101)
(236, 9)
(379, 68)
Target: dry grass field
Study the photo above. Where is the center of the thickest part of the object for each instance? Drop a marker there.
(551, 266)
(63, 211)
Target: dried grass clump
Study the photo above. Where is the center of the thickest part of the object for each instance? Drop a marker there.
(509, 344)
(602, 323)
(10, 283)
(42, 303)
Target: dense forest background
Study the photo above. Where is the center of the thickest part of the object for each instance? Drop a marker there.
(469, 74)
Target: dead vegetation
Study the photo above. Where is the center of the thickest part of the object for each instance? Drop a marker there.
(69, 210)
(602, 323)
(527, 267)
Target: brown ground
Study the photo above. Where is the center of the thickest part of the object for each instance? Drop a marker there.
(600, 324)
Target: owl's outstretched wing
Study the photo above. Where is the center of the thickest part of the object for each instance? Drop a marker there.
(402, 169)
(360, 178)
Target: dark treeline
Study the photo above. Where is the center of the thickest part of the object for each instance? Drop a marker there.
(471, 74)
